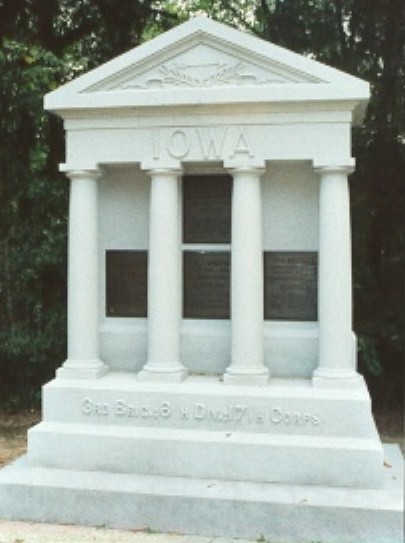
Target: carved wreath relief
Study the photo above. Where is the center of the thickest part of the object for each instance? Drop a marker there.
(200, 75)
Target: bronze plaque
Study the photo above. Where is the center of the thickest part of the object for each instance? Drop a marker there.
(206, 285)
(126, 273)
(207, 208)
(290, 286)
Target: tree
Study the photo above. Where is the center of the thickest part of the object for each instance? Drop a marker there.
(33, 222)
(44, 43)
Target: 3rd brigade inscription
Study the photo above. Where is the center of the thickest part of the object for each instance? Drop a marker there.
(206, 285)
(257, 416)
(207, 209)
(290, 286)
(126, 283)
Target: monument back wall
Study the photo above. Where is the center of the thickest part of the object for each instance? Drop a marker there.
(290, 223)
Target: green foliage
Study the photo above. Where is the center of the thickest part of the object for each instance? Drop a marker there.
(32, 226)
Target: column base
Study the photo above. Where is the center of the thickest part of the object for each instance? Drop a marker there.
(169, 374)
(82, 369)
(247, 377)
(335, 378)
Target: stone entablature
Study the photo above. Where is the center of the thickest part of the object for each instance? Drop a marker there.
(232, 137)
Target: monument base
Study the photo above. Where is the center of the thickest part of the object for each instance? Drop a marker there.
(288, 432)
(284, 461)
(284, 513)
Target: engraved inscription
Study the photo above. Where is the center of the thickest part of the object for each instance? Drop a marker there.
(206, 285)
(124, 409)
(90, 407)
(290, 286)
(178, 144)
(202, 143)
(207, 209)
(245, 413)
(212, 141)
(126, 280)
(242, 145)
(200, 412)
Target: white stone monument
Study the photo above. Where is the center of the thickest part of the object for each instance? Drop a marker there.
(211, 384)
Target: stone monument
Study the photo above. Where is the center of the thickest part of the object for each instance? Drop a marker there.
(210, 385)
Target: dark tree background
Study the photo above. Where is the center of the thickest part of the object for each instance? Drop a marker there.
(44, 43)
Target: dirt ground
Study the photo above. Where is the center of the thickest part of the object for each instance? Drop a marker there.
(13, 431)
(13, 434)
(391, 425)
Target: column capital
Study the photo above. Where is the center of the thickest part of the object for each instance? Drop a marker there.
(175, 172)
(246, 170)
(337, 168)
(235, 165)
(150, 165)
(80, 173)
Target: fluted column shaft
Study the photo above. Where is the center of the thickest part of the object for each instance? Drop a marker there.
(83, 338)
(336, 356)
(247, 346)
(163, 362)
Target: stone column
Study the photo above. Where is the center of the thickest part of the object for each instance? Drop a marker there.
(163, 363)
(83, 360)
(336, 367)
(247, 342)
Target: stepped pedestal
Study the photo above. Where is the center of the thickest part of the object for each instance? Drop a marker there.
(288, 432)
(230, 461)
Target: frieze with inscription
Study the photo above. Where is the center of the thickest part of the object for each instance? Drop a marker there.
(205, 142)
(242, 415)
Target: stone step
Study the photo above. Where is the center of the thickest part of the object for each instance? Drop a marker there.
(206, 404)
(237, 456)
(257, 511)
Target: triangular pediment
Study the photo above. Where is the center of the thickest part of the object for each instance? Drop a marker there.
(198, 58)
(203, 64)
